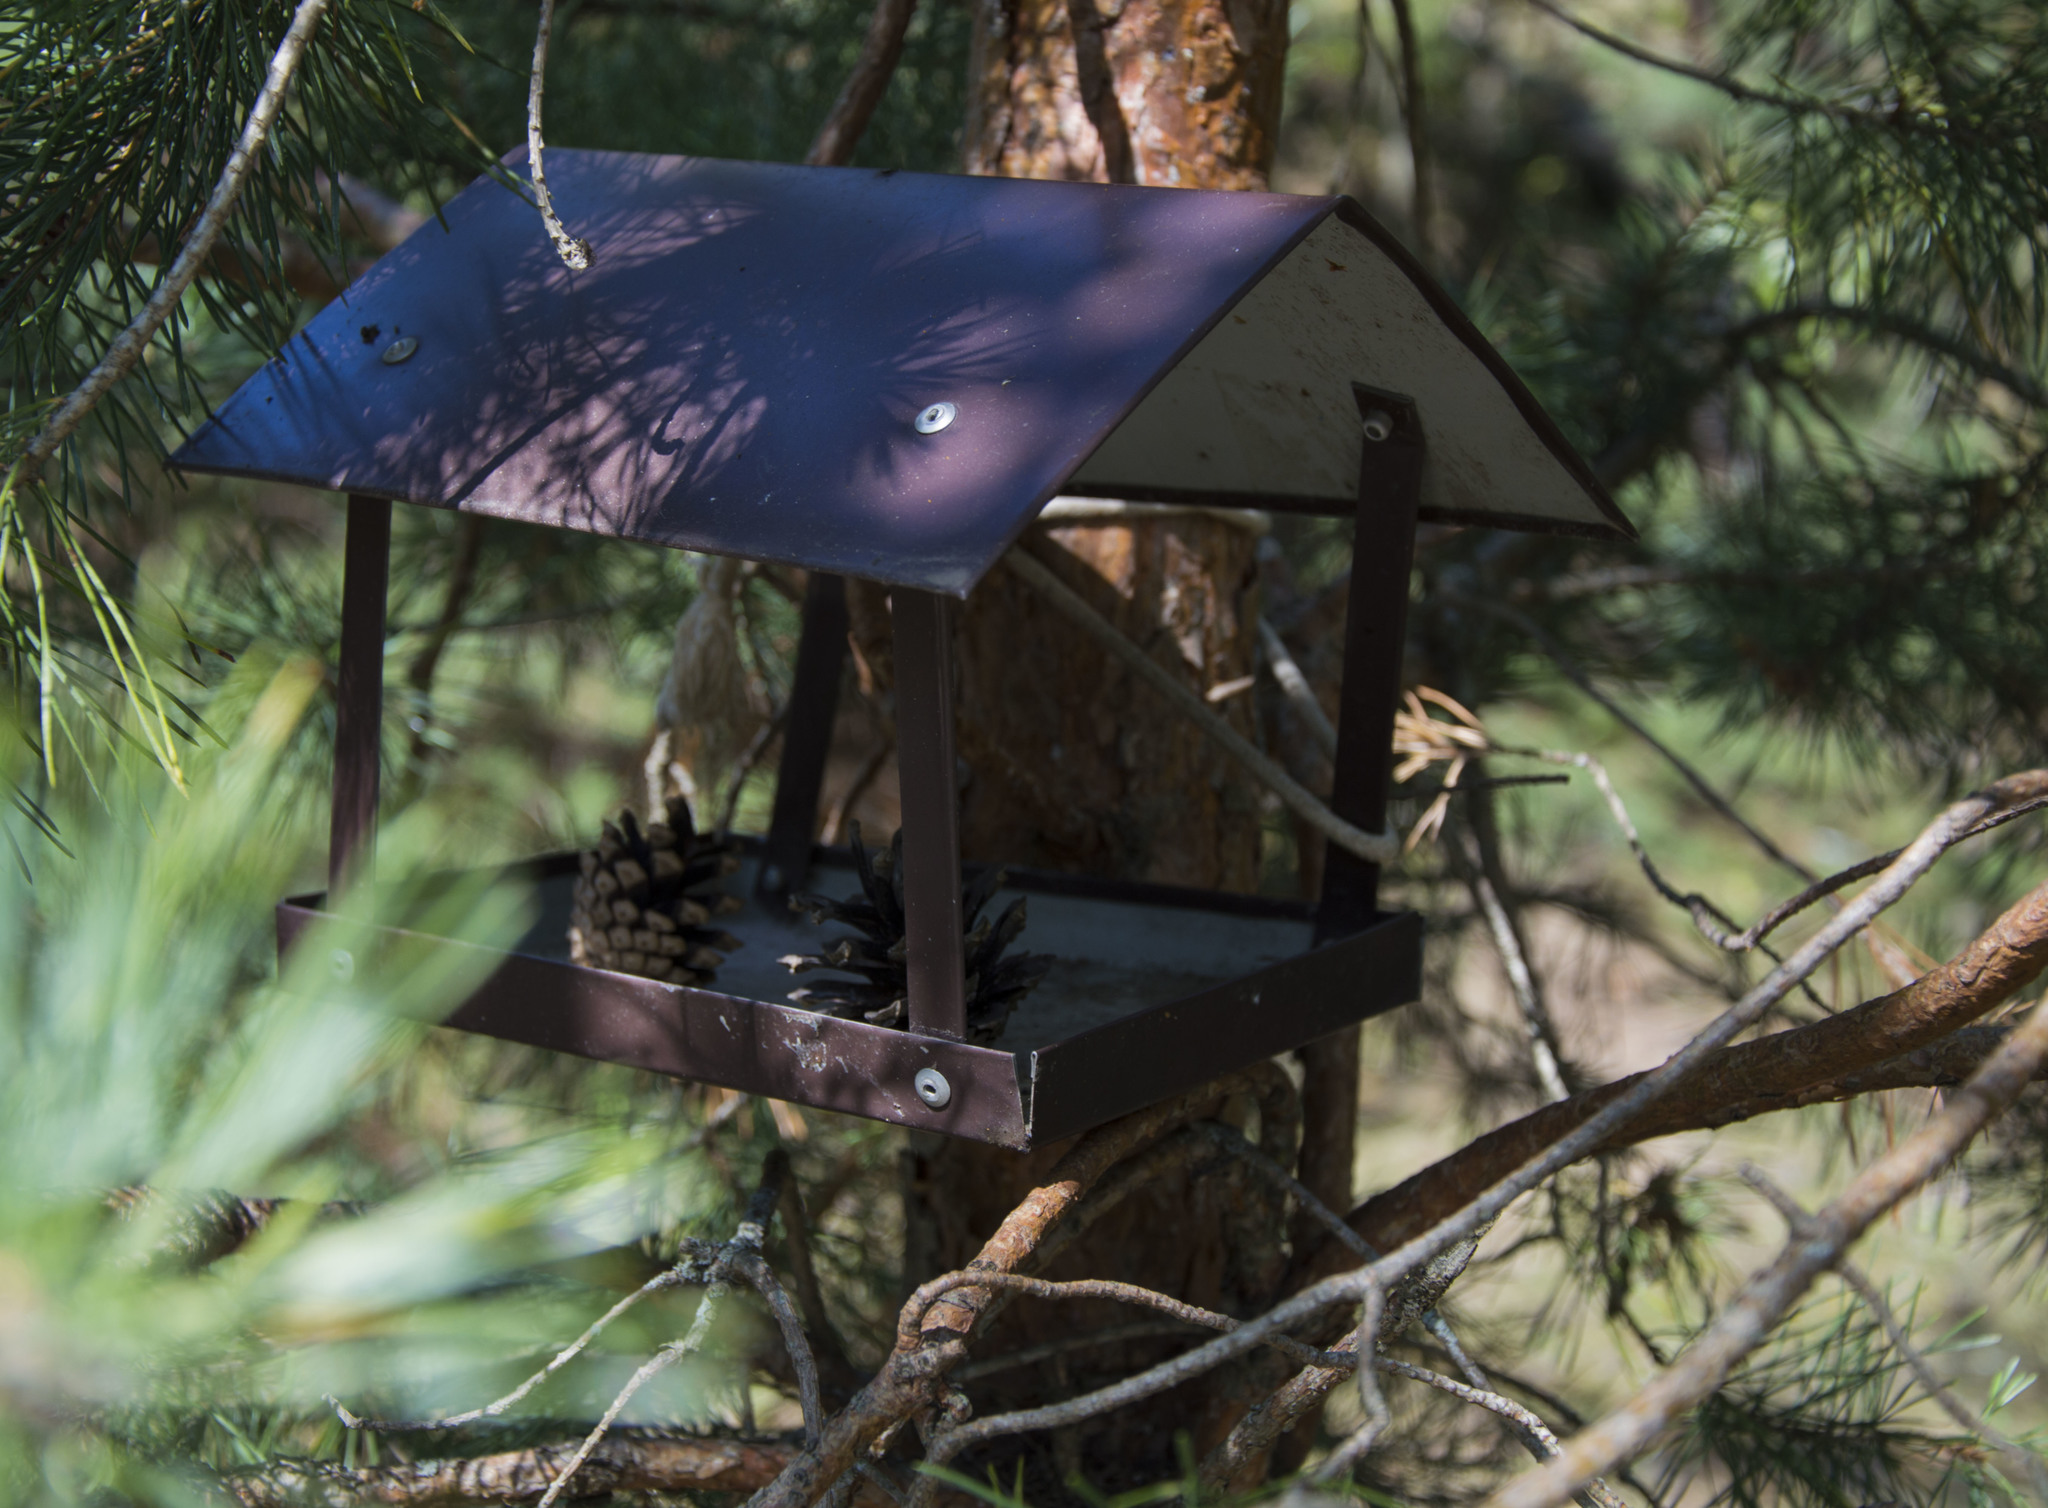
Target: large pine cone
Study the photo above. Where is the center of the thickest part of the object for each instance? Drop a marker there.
(647, 895)
(877, 954)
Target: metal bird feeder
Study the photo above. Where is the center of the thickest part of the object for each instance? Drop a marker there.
(888, 376)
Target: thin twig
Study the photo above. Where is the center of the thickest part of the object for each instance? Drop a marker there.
(747, 1240)
(949, 1443)
(1479, 1212)
(1026, 1356)
(1735, 89)
(128, 346)
(1371, 1402)
(1578, 677)
(744, 765)
(1374, 848)
(796, 1234)
(880, 50)
(682, 1272)
(912, 1319)
(787, 1320)
(1421, 202)
(2021, 1461)
(835, 820)
(1537, 1026)
(1771, 1292)
(1300, 695)
(575, 253)
(1523, 1420)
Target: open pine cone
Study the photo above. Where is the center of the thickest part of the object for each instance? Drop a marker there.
(877, 955)
(647, 895)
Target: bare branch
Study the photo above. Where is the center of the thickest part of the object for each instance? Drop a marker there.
(1772, 1291)
(1142, 1385)
(627, 1462)
(747, 1240)
(575, 254)
(681, 1272)
(1876, 1045)
(1371, 1401)
(880, 50)
(128, 346)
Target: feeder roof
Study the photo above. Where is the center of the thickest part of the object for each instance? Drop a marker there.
(743, 367)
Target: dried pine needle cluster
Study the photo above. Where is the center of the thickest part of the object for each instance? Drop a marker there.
(877, 954)
(645, 900)
(1421, 741)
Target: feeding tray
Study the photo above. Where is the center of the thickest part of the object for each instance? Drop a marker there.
(888, 376)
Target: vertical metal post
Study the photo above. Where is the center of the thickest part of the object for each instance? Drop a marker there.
(359, 693)
(806, 737)
(930, 798)
(1375, 629)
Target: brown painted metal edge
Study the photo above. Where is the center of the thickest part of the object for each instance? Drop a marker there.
(749, 1045)
(1137, 1061)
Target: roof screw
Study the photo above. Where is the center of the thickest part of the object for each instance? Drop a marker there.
(1378, 425)
(935, 418)
(400, 349)
(344, 965)
(932, 1088)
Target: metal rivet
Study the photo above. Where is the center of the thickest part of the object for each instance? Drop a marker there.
(400, 349)
(935, 418)
(771, 877)
(1378, 425)
(344, 963)
(932, 1088)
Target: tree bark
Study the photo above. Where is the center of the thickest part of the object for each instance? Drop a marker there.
(1069, 765)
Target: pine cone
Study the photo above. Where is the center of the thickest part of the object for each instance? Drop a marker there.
(646, 896)
(877, 954)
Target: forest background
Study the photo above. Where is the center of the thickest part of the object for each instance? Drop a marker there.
(1775, 268)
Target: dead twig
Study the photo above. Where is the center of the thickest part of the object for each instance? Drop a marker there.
(575, 253)
(747, 1239)
(914, 1378)
(1363, 1341)
(127, 347)
(1816, 1245)
(629, 1461)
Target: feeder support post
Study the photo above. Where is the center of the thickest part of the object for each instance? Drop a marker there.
(1375, 631)
(359, 693)
(806, 737)
(929, 787)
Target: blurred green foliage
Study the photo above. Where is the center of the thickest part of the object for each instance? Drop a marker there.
(1798, 327)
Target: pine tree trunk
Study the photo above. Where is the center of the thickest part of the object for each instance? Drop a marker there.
(1070, 765)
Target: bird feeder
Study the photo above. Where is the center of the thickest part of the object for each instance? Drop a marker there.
(888, 376)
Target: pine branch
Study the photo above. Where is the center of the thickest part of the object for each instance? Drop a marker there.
(127, 347)
(1815, 1246)
(1781, 1071)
